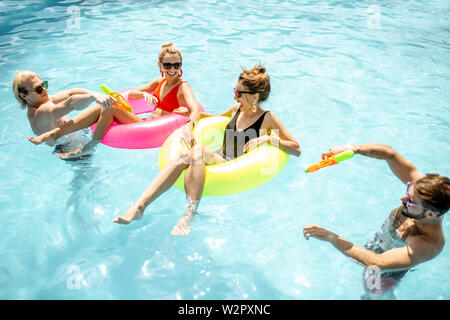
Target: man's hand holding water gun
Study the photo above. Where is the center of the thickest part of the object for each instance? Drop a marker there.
(338, 149)
(401, 167)
(334, 156)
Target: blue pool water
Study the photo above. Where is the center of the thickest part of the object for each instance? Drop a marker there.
(341, 71)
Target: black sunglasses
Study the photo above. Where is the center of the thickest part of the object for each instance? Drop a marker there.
(38, 89)
(168, 65)
(238, 93)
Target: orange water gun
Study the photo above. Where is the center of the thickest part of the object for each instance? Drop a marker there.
(120, 102)
(329, 161)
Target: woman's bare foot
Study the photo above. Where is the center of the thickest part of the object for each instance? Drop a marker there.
(48, 137)
(133, 213)
(183, 227)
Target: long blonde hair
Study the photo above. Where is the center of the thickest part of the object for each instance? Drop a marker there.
(169, 48)
(17, 85)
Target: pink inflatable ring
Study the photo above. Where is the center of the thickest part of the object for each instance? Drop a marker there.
(147, 134)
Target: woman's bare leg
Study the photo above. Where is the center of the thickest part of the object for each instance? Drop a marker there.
(194, 178)
(105, 120)
(125, 117)
(162, 182)
(194, 181)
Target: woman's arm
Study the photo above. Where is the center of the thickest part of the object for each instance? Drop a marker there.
(191, 102)
(229, 113)
(285, 139)
(139, 92)
(205, 115)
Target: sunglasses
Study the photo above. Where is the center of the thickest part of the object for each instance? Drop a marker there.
(409, 202)
(238, 93)
(168, 65)
(39, 88)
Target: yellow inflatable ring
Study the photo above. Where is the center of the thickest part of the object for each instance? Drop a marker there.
(248, 171)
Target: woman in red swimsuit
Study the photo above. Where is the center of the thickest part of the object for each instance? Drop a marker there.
(170, 94)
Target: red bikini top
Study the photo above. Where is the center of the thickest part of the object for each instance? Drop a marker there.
(170, 100)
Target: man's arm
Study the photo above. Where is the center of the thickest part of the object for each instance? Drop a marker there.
(399, 258)
(74, 102)
(63, 95)
(399, 165)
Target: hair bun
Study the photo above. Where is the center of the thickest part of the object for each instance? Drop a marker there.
(259, 69)
(256, 80)
(169, 48)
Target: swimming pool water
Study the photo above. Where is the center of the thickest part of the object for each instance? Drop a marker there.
(341, 72)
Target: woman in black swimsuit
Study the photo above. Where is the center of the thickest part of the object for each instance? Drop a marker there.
(249, 127)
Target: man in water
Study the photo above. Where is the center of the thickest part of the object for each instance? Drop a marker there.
(412, 233)
(46, 112)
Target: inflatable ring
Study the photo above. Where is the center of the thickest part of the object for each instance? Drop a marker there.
(147, 134)
(248, 171)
